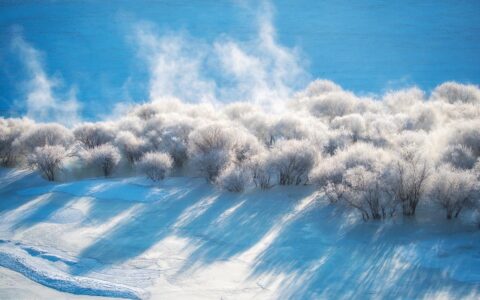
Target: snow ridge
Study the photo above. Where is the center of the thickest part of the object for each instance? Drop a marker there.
(24, 264)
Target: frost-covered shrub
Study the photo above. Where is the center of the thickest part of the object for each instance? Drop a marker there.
(237, 111)
(175, 140)
(156, 165)
(152, 132)
(358, 176)
(210, 137)
(336, 141)
(260, 125)
(328, 176)
(366, 191)
(146, 111)
(42, 135)
(476, 168)
(234, 178)
(459, 156)
(262, 170)
(288, 128)
(130, 123)
(466, 133)
(105, 158)
(403, 100)
(293, 161)
(409, 179)
(210, 164)
(353, 124)
(210, 148)
(10, 130)
(420, 117)
(453, 92)
(92, 135)
(453, 189)
(244, 147)
(333, 104)
(319, 87)
(47, 159)
(380, 129)
(131, 146)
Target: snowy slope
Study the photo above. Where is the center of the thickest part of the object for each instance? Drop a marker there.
(183, 239)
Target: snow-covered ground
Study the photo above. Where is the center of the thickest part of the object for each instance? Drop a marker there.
(184, 239)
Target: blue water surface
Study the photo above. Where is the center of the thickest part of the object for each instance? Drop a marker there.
(366, 46)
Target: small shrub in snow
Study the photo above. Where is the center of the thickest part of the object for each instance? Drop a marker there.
(453, 189)
(155, 165)
(234, 178)
(105, 157)
(47, 159)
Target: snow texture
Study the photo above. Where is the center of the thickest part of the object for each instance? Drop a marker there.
(183, 238)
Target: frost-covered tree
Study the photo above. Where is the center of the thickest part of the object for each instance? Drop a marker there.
(47, 159)
(92, 135)
(105, 158)
(453, 189)
(155, 165)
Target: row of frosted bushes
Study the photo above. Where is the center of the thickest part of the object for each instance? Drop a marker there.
(380, 156)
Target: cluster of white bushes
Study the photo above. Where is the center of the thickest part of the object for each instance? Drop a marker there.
(381, 156)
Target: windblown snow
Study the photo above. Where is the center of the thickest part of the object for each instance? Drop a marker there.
(185, 239)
